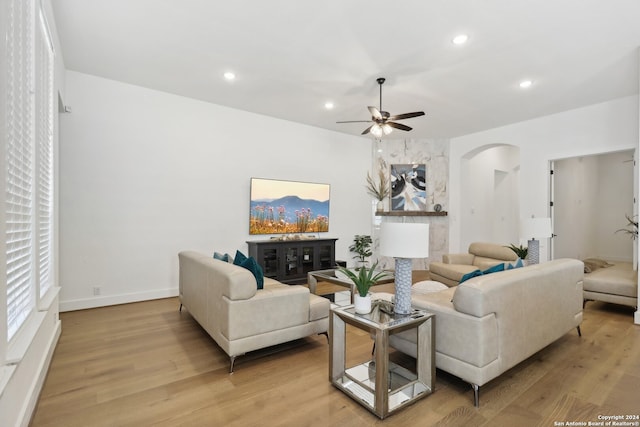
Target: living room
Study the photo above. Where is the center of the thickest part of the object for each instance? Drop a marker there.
(144, 173)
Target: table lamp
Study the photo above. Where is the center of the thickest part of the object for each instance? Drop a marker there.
(404, 241)
(530, 228)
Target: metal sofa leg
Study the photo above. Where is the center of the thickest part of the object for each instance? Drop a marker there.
(325, 333)
(232, 361)
(579, 332)
(476, 395)
(180, 310)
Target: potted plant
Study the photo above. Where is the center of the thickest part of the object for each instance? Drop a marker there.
(633, 231)
(363, 279)
(361, 247)
(521, 251)
(378, 189)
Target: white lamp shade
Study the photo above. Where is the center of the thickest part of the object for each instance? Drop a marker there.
(535, 228)
(404, 240)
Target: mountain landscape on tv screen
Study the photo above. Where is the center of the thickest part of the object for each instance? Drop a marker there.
(289, 214)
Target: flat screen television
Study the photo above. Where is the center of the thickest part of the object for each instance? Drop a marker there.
(282, 207)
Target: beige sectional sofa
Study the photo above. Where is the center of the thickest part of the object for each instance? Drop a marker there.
(481, 256)
(225, 301)
(614, 282)
(490, 323)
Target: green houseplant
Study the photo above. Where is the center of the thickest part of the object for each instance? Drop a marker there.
(363, 279)
(361, 247)
(633, 231)
(521, 251)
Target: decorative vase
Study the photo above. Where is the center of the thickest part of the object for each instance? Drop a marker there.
(362, 304)
(380, 206)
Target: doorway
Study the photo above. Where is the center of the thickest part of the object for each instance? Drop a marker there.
(591, 196)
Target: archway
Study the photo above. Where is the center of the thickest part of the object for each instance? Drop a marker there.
(490, 196)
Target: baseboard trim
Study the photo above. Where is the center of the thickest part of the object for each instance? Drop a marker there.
(106, 300)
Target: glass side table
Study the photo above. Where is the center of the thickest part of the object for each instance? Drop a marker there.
(380, 385)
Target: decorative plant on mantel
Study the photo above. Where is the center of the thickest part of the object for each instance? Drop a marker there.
(379, 188)
(521, 251)
(633, 223)
(361, 247)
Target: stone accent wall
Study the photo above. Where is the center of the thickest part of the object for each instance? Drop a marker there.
(434, 153)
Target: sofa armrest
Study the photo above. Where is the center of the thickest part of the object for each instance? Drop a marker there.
(464, 259)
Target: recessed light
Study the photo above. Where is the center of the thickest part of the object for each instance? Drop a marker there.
(460, 39)
(525, 84)
(328, 105)
(229, 75)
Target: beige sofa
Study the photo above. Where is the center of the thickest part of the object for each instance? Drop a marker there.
(225, 301)
(481, 256)
(490, 323)
(614, 282)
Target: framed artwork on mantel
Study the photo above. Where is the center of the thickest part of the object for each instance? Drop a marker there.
(408, 187)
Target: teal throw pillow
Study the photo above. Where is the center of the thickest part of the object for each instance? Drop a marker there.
(252, 265)
(471, 275)
(494, 269)
(239, 258)
(221, 257)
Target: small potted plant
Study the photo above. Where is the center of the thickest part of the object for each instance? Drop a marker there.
(362, 248)
(363, 279)
(521, 251)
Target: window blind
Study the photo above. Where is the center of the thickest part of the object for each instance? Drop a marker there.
(44, 143)
(19, 161)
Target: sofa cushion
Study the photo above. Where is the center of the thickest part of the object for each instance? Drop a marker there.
(318, 307)
(592, 264)
(471, 275)
(494, 269)
(427, 286)
(492, 250)
(239, 258)
(222, 257)
(252, 265)
(451, 271)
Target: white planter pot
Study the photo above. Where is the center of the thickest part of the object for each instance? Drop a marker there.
(362, 304)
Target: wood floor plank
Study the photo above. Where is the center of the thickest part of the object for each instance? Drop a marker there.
(149, 364)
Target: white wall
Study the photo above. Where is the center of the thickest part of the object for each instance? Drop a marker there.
(609, 126)
(145, 174)
(489, 212)
(593, 194)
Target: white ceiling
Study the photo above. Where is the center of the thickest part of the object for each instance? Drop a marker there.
(292, 56)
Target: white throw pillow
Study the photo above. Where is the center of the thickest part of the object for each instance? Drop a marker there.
(427, 286)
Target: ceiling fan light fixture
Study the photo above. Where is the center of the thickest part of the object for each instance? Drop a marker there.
(386, 129)
(376, 130)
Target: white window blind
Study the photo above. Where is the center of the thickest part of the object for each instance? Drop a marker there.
(44, 143)
(20, 165)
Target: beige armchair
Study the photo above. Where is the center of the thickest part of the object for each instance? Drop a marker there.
(481, 256)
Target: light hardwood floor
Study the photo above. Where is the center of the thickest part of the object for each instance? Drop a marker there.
(148, 364)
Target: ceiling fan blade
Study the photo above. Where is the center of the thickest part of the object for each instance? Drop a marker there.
(407, 115)
(375, 113)
(356, 121)
(398, 126)
(367, 130)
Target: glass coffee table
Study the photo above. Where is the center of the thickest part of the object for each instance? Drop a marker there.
(313, 277)
(380, 385)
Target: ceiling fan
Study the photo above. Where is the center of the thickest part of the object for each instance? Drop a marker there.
(382, 121)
